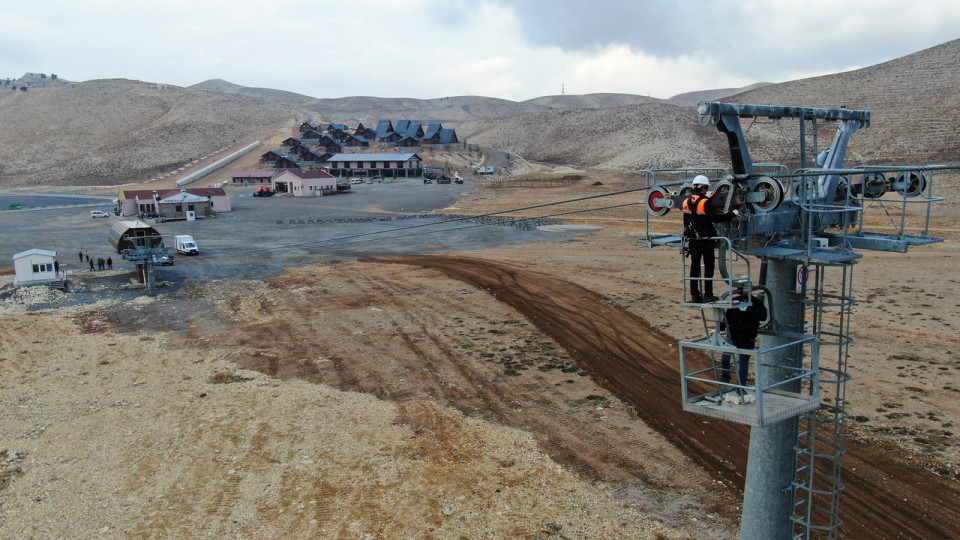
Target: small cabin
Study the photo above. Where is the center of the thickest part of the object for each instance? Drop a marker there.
(36, 267)
(131, 234)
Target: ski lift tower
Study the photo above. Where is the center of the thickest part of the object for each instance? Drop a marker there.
(805, 228)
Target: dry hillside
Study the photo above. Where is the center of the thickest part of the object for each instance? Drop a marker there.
(693, 98)
(916, 114)
(592, 101)
(367, 109)
(914, 99)
(650, 135)
(119, 131)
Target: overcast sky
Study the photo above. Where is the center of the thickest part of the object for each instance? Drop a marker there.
(514, 50)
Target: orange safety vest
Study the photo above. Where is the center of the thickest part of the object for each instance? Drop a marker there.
(700, 205)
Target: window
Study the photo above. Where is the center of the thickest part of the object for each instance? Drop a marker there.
(178, 208)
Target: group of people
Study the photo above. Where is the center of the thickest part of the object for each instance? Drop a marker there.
(742, 321)
(98, 263)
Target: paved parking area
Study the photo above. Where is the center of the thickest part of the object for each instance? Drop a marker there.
(262, 235)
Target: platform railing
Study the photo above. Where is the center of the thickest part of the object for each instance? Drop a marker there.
(789, 392)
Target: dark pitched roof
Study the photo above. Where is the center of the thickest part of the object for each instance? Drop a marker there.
(448, 136)
(384, 128)
(415, 129)
(432, 129)
(401, 127)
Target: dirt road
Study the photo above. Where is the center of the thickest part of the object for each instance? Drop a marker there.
(886, 497)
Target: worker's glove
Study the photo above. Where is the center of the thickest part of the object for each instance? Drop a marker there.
(736, 212)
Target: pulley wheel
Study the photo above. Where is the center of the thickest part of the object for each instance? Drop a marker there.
(772, 191)
(911, 184)
(874, 185)
(685, 191)
(721, 193)
(658, 202)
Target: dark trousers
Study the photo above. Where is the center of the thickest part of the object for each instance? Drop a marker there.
(702, 251)
(743, 369)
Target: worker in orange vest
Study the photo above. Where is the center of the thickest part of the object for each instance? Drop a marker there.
(698, 229)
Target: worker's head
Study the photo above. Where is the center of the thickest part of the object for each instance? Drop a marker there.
(701, 182)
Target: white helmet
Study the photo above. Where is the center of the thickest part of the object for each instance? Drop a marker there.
(701, 180)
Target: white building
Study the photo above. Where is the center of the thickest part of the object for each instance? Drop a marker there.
(36, 267)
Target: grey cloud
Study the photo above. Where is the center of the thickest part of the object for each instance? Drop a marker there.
(661, 28)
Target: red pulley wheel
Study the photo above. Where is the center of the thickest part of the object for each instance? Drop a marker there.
(658, 203)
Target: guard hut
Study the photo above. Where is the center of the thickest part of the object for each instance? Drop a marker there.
(804, 227)
(37, 267)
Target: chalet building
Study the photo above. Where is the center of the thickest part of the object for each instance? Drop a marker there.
(269, 159)
(408, 142)
(296, 150)
(432, 131)
(391, 138)
(312, 160)
(441, 137)
(251, 177)
(314, 183)
(278, 161)
(349, 141)
(414, 130)
(311, 136)
(363, 132)
(173, 203)
(307, 126)
(387, 165)
(329, 145)
(37, 267)
(338, 134)
(290, 142)
(339, 127)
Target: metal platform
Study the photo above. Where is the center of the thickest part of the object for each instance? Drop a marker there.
(672, 240)
(776, 406)
(801, 255)
(884, 242)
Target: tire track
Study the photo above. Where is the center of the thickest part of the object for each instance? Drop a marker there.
(886, 497)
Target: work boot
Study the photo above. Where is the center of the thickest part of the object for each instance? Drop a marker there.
(696, 298)
(709, 299)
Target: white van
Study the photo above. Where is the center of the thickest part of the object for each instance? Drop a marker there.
(186, 244)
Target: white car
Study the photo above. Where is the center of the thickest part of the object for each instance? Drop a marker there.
(98, 213)
(356, 181)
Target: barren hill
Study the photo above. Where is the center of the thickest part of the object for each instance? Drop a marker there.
(592, 101)
(110, 132)
(693, 98)
(654, 135)
(369, 110)
(916, 117)
(914, 99)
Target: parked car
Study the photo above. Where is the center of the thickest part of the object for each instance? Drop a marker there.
(163, 259)
(444, 179)
(356, 181)
(427, 181)
(98, 214)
